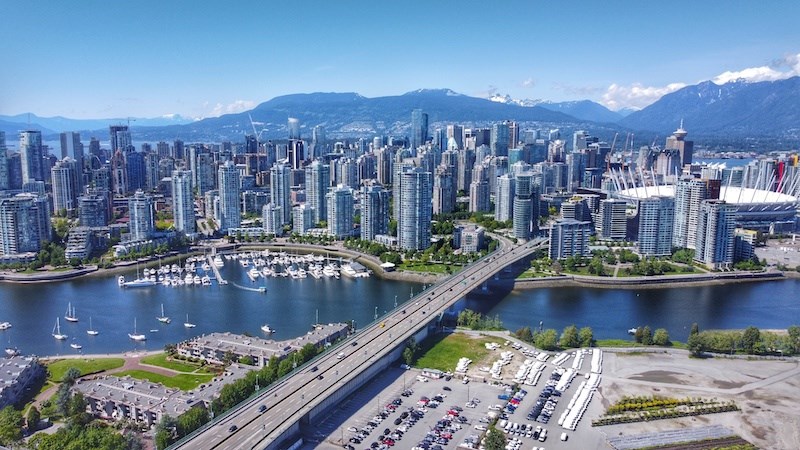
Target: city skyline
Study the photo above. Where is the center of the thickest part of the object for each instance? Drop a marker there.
(148, 60)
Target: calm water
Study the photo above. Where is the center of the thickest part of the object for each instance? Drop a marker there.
(610, 313)
(290, 307)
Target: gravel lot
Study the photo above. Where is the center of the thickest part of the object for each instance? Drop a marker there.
(767, 391)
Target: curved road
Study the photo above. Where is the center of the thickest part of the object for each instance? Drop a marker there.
(289, 400)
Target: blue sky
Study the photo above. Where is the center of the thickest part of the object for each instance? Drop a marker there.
(97, 59)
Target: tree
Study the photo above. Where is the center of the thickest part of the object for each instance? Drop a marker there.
(166, 432)
(647, 335)
(70, 376)
(10, 426)
(586, 336)
(695, 329)
(569, 338)
(661, 337)
(750, 338)
(547, 340)
(408, 356)
(637, 335)
(32, 419)
(192, 420)
(495, 439)
(247, 359)
(695, 344)
(524, 334)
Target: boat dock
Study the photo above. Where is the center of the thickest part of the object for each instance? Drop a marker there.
(214, 268)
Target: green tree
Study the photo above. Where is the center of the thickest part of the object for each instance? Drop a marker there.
(495, 439)
(586, 336)
(647, 335)
(192, 420)
(166, 432)
(695, 329)
(32, 418)
(661, 337)
(408, 356)
(10, 426)
(247, 359)
(547, 340)
(750, 338)
(524, 334)
(695, 344)
(569, 338)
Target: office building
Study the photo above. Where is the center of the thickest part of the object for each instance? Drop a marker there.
(24, 224)
(656, 217)
(183, 202)
(716, 224)
(65, 176)
(414, 220)
(271, 217)
(569, 238)
(302, 219)
(318, 181)
(142, 216)
(72, 147)
(444, 190)
(120, 137)
(280, 191)
(470, 238)
(524, 197)
(419, 128)
(504, 199)
(499, 139)
(340, 211)
(31, 155)
(374, 211)
(229, 195)
(612, 223)
(479, 193)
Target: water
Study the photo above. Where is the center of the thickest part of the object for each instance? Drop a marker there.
(291, 306)
(610, 312)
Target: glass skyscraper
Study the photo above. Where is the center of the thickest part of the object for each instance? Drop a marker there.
(183, 201)
(229, 190)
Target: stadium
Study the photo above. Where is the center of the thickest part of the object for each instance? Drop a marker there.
(757, 209)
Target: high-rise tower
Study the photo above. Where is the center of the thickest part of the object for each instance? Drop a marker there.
(419, 128)
(183, 201)
(229, 195)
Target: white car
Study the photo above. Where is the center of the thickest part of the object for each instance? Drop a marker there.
(564, 436)
(480, 427)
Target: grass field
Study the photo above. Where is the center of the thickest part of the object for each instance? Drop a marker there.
(442, 352)
(185, 382)
(58, 368)
(431, 268)
(160, 360)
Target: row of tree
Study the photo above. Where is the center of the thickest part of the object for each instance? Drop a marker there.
(645, 335)
(751, 341)
(549, 339)
(477, 321)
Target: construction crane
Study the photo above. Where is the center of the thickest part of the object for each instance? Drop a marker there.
(256, 132)
(613, 143)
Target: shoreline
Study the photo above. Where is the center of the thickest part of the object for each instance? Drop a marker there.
(655, 282)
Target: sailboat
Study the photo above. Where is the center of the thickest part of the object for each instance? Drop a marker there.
(188, 324)
(91, 331)
(135, 336)
(57, 331)
(70, 316)
(11, 350)
(163, 318)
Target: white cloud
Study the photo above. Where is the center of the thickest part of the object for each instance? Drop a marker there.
(232, 108)
(635, 95)
(771, 72)
(528, 83)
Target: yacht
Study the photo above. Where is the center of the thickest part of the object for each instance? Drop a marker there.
(91, 331)
(121, 280)
(139, 282)
(76, 346)
(218, 262)
(253, 273)
(5, 325)
(206, 280)
(188, 324)
(205, 267)
(163, 318)
(57, 331)
(136, 336)
(196, 279)
(188, 278)
(70, 315)
(266, 329)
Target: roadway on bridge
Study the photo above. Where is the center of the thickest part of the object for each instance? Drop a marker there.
(289, 400)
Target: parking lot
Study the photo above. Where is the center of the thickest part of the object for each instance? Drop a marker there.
(400, 410)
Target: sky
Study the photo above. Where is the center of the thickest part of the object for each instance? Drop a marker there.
(102, 59)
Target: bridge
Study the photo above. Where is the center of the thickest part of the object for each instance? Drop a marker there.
(310, 391)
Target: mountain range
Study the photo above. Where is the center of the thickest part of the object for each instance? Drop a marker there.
(737, 109)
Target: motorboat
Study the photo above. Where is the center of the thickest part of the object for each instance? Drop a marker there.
(5, 325)
(57, 331)
(70, 315)
(163, 318)
(135, 335)
(91, 331)
(76, 346)
(218, 262)
(139, 282)
(266, 329)
(121, 280)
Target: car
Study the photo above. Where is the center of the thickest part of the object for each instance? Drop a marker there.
(319, 377)
(543, 435)
(564, 436)
(352, 429)
(262, 408)
(480, 427)
(314, 369)
(232, 428)
(340, 355)
(447, 388)
(354, 343)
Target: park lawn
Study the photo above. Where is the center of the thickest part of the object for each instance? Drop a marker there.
(58, 368)
(632, 343)
(184, 382)
(530, 273)
(160, 360)
(432, 268)
(444, 353)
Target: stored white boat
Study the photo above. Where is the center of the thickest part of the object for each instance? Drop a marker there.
(5, 325)
(135, 335)
(57, 331)
(188, 324)
(266, 329)
(163, 318)
(70, 315)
